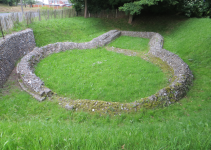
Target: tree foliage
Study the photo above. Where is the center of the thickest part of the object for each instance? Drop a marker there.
(29, 2)
(78, 5)
(196, 8)
(133, 8)
(10, 2)
(190, 8)
(98, 5)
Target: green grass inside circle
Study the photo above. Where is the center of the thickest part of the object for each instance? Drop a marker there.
(132, 43)
(99, 74)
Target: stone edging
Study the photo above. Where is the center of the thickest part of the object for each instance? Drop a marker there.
(177, 89)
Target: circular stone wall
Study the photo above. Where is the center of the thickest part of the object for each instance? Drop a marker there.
(177, 89)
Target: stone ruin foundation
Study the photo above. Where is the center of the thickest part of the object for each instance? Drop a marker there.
(177, 89)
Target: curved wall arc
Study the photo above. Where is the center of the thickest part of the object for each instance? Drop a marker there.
(177, 89)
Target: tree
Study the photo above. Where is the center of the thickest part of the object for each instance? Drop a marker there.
(30, 2)
(133, 8)
(189, 8)
(98, 5)
(197, 8)
(22, 6)
(9, 2)
(95, 6)
(86, 9)
(78, 5)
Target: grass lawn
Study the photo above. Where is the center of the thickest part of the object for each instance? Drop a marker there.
(28, 124)
(132, 43)
(71, 30)
(98, 74)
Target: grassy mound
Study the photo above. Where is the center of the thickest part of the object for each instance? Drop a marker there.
(71, 30)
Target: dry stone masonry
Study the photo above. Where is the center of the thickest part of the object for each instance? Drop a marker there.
(12, 48)
(180, 82)
(182, 78)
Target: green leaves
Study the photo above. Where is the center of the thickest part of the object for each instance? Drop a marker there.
(196, 8)
(133, 8)
(190, 8)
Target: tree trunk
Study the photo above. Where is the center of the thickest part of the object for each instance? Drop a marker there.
(22, 6)
(85, 10)
(130, 19)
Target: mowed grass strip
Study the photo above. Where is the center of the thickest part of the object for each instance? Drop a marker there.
(131, 43)
(101, 75)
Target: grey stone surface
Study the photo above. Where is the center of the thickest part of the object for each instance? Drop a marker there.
(12, 48)
(183, 76)
(67, 106)
(138, 34)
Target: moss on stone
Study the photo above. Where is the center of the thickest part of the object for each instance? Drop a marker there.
(174, 78)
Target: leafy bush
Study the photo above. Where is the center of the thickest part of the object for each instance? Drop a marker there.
(10, 2)
(78, 5)
(196, 8)
(191, 8)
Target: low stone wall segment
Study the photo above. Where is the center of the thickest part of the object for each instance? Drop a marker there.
(177, 89)
(12, 48)
(182, 78)
(147, 35)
